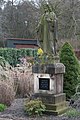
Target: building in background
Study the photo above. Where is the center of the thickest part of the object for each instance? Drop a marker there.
(22, 43)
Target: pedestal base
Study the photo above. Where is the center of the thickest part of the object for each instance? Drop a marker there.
(55, 104)
(55, 113)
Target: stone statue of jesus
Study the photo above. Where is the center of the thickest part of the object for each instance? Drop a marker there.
(47, 30)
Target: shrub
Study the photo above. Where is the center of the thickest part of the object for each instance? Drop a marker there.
(34, 107)
(72, 112)
(2, 107)
(7, 93)
(12, 54)
(25, 84)
(72, 67)
(2, 62)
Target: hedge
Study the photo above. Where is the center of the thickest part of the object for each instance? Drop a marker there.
(12, 54)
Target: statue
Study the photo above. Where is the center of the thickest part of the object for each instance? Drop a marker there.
(47, 30)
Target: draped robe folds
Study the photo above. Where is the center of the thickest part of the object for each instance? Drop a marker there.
(47, 29)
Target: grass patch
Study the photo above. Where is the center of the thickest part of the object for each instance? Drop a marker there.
(72, 112)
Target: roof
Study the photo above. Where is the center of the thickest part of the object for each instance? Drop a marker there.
(12, 42)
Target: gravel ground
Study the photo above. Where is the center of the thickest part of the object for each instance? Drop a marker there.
(16, 112)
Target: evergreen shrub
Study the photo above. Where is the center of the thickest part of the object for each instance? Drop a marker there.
(12, 54)
(72, 69)
(2, 62)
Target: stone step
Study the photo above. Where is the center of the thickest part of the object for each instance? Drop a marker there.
(51, 99)
(57, 112)
(56, 107)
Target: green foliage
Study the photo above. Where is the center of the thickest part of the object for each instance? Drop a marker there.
(72, 68)
(12, 54)
(34, 107)
(72, 112)
(75, 97)
(44, 59)
(2, 107)
(2, 62)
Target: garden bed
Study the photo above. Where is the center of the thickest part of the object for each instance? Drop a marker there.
(16, 112)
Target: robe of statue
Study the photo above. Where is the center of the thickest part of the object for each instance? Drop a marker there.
(47, 30)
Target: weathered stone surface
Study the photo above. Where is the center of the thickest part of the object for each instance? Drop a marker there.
(49, 68)
(39, 68)
(59, 83)
(51, 99)
(55, 83)
(52, 87)
(50, 92)
(55, 68)
(57, 112)
(57, 106)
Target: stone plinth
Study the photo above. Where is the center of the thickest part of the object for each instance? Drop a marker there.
(55, 83)
(51, 98)
(48, 86)
(57, 68)
(47, 90)
(55, 104)
(49, 68)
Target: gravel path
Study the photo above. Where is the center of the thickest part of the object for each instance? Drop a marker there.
(16, 112)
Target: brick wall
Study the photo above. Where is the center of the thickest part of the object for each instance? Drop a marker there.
(26, 46)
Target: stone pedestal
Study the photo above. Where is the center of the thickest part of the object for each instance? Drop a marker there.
(48, 86)
(55, 104)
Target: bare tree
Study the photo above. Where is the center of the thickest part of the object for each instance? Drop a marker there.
(15, 18)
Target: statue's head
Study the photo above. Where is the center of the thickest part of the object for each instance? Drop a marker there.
(47, 7)
(50, 15)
